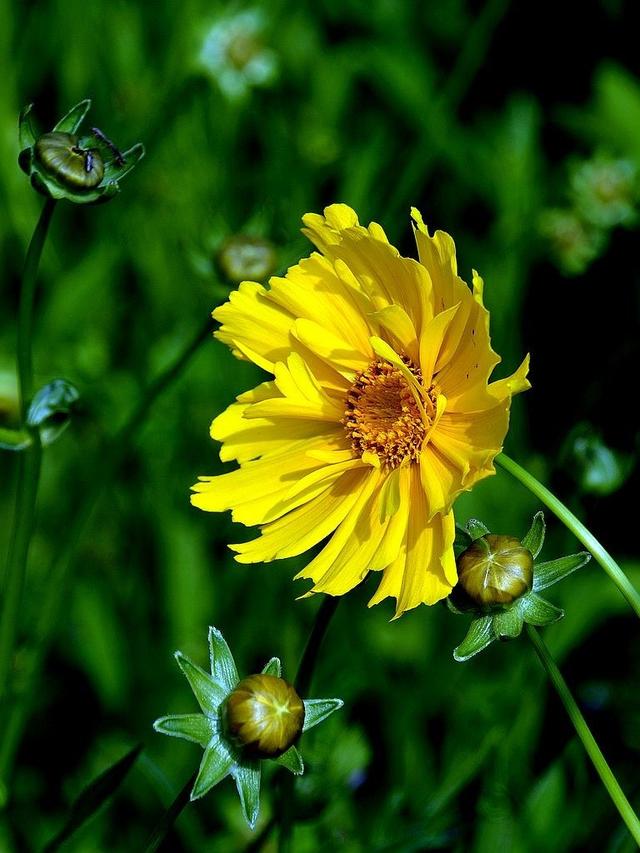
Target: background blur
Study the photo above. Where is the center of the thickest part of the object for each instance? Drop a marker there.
(513, 129)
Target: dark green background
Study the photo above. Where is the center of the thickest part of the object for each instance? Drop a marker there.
(474, 113)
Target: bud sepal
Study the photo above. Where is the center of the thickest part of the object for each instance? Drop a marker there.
(65, 163)
(499, 582)
(243, 722)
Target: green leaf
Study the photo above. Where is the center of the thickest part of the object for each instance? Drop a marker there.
(508, 623)
(292, 760)
(26, 136)
(478, 637)
(74, 118)
(209, 694)
(461, 542)
(545, 574)
(51, 408)
(273, 667)
(217, 762)
(14, 439)
(93, 797)
(476, 529)
(194, 727)
(247, 777)
(534, 538)
(317, 710)
(223, 667)
(537, 611)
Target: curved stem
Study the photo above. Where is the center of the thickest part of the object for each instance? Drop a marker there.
(57, 581)
(28, 468)
(584, 733)
(600, 554)
(302, 684)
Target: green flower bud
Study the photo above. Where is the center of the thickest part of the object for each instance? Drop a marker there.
(495, 570)
(62, 156)
(264, 715)
(244, 258)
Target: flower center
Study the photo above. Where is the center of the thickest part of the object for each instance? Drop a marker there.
(382, 415)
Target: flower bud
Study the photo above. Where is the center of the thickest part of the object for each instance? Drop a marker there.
(495, 570)
(68, 162)
(245, 258)
(264, 715)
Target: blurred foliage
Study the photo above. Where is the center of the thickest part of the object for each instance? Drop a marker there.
(474, 112)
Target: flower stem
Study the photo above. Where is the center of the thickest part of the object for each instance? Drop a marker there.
(103, 472)
(170, 816)
(28, 468)
(600, 554)
(302, 684)
(584, 733)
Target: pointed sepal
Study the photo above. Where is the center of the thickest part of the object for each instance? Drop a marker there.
(51, 409)
(247, 779)
(223, 666)
(217, 762)
(461, 542)
(476, 529)
(478, 637)
(273, 667)
(546, 574)
(71, 122)
(209, 694)
(292, 760)
(317, 710)
(197, 728)
(534, 538)
(508, 624)
(26, 136)
(539, 612)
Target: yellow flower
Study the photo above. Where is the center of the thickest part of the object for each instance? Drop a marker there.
(379, 413)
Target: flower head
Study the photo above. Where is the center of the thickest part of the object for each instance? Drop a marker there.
(380, 410)
(81, 167)
(242, 722)
(500, 581)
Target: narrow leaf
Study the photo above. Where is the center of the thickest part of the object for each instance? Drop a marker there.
(73, 119)
(537, 611)
(534, 538)
(216, 763)
(545, 574)
(94, 796)
(292, 760)
(476, 529)
(478, 637)
(273, 667)
(223, 667)
(194, 727)
(209, 694)
(317, 710)
(247, 776)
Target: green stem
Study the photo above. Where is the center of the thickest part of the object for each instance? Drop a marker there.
(600, 554)
(28, 468)
(302, 684)
(170, 816)
(55, 592)
(584, 733)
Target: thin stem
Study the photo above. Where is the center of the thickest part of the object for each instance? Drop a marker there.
(600, 554)
(103, 474)
(170, 816)
(584, 733)
(28, 468)
(302, 683)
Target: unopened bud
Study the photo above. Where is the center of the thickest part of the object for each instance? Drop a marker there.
(495, 570)
(264, 715)
(245, 258)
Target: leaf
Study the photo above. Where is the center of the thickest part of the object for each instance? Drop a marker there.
(476, 529)
(534, 538)
(93, 797)
(537, 611)
(273, 667)
(216, 763)
(74, 118)
(247, 776)
(478, 637)
(292, 760)
(317, 710)
(209, 694)
(223, 667)
(14, 439)
(545, 574)
(197, 728)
